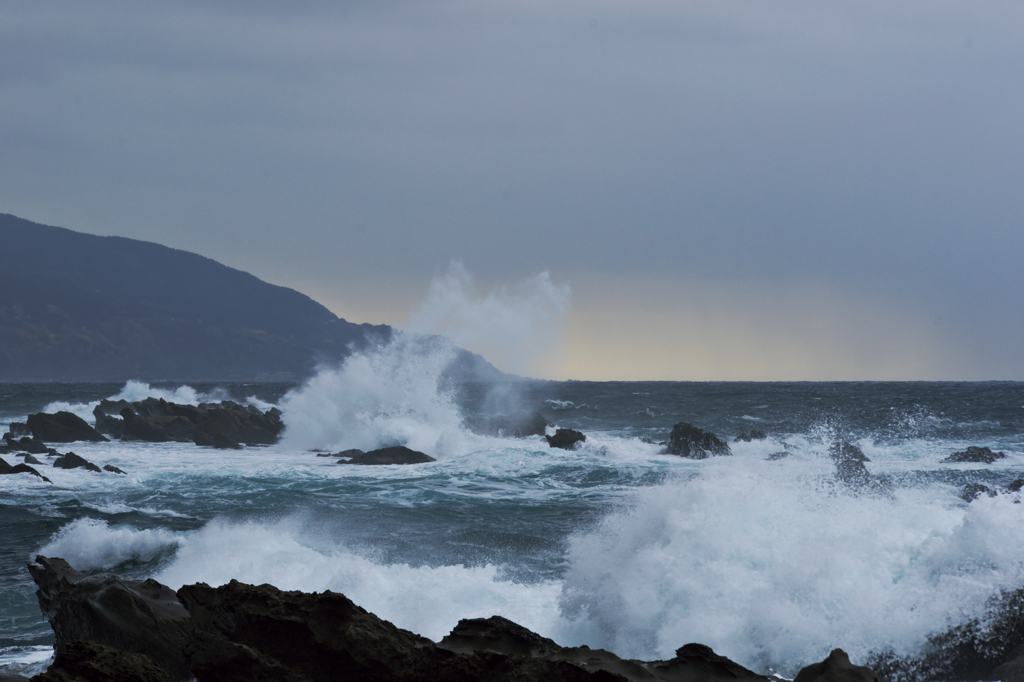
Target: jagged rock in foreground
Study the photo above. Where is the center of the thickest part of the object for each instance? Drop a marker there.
(565, 439)
(836, 668)
(134, 616)
(686, 440)
(397, 454)
(516, 425)
(62, 427)
(85, 661)
(109, 628)
(985, 648)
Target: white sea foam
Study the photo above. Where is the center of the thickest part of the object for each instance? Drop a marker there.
(91, 544)
(770, 564)
(134, 391)
(389, 395)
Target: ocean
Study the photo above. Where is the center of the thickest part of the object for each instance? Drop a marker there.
(770, 561)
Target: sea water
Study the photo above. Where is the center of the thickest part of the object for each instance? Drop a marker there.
(771, 562)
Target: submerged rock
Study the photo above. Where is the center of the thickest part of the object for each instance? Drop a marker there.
(973, 491)
(686, 440)
(516, 424)
(565, 439)
(73, 461)
(62, 427)
(752, 435)
(975, 454)
(397, 454)
(836, 668)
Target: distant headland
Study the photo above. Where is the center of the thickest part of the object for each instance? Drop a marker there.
(80, 307)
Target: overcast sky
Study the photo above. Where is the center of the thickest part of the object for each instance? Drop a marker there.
(730, 190)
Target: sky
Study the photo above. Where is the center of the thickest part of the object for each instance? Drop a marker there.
(705, 190)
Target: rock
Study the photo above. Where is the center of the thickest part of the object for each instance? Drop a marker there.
(836, 668)
(974, 650)
(86, 661)
(1015, 485)
(12, 677)
(1013, 669)
(29, 445)
(28, 458)
(216, 441)
(686, 440)
(397, 454)
(17, 430)
(247, 632)
(62, 427)
(565, 439)
(107, 425)
(244, 633)
(137, 617)
(775, 456)
(516, 425)
(975, 454)
(111, 407)
(6, 468)
(973, 491)
(849, 461)
(112, 469)
(73, 461)
(752, 435)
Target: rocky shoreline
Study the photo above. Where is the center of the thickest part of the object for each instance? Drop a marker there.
(111, 628)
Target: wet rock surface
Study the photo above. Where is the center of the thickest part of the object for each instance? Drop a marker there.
(975, 454)
(62, 427)
(134, 616)
(109, 628)
(565, 439)
(397, 454)
(6, 468)
(686, 440)
(224, 425)
(836, 668)
(73, 461)
(750, 436)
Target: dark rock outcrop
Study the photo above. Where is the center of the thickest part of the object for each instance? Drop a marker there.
(836, 668)
(135, 616)
(516, 425)
(397, 454)
(17, 430)
(752, 435)
(73, 461)
(565, 439)
(22, 468)
(245, 633)
(849, 461)
(686, 440)
(28, 458)
(62, 427)
(974, 650)
(28, 444)
(107, 425)
(87, 661)
(975, 454)
(112, 469)
(224, 425)
(973, 491)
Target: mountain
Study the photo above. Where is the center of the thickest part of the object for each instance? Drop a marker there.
(78, 307)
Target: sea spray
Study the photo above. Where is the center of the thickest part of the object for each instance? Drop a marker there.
(517, 327)
(389, 395)
(773, 564)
